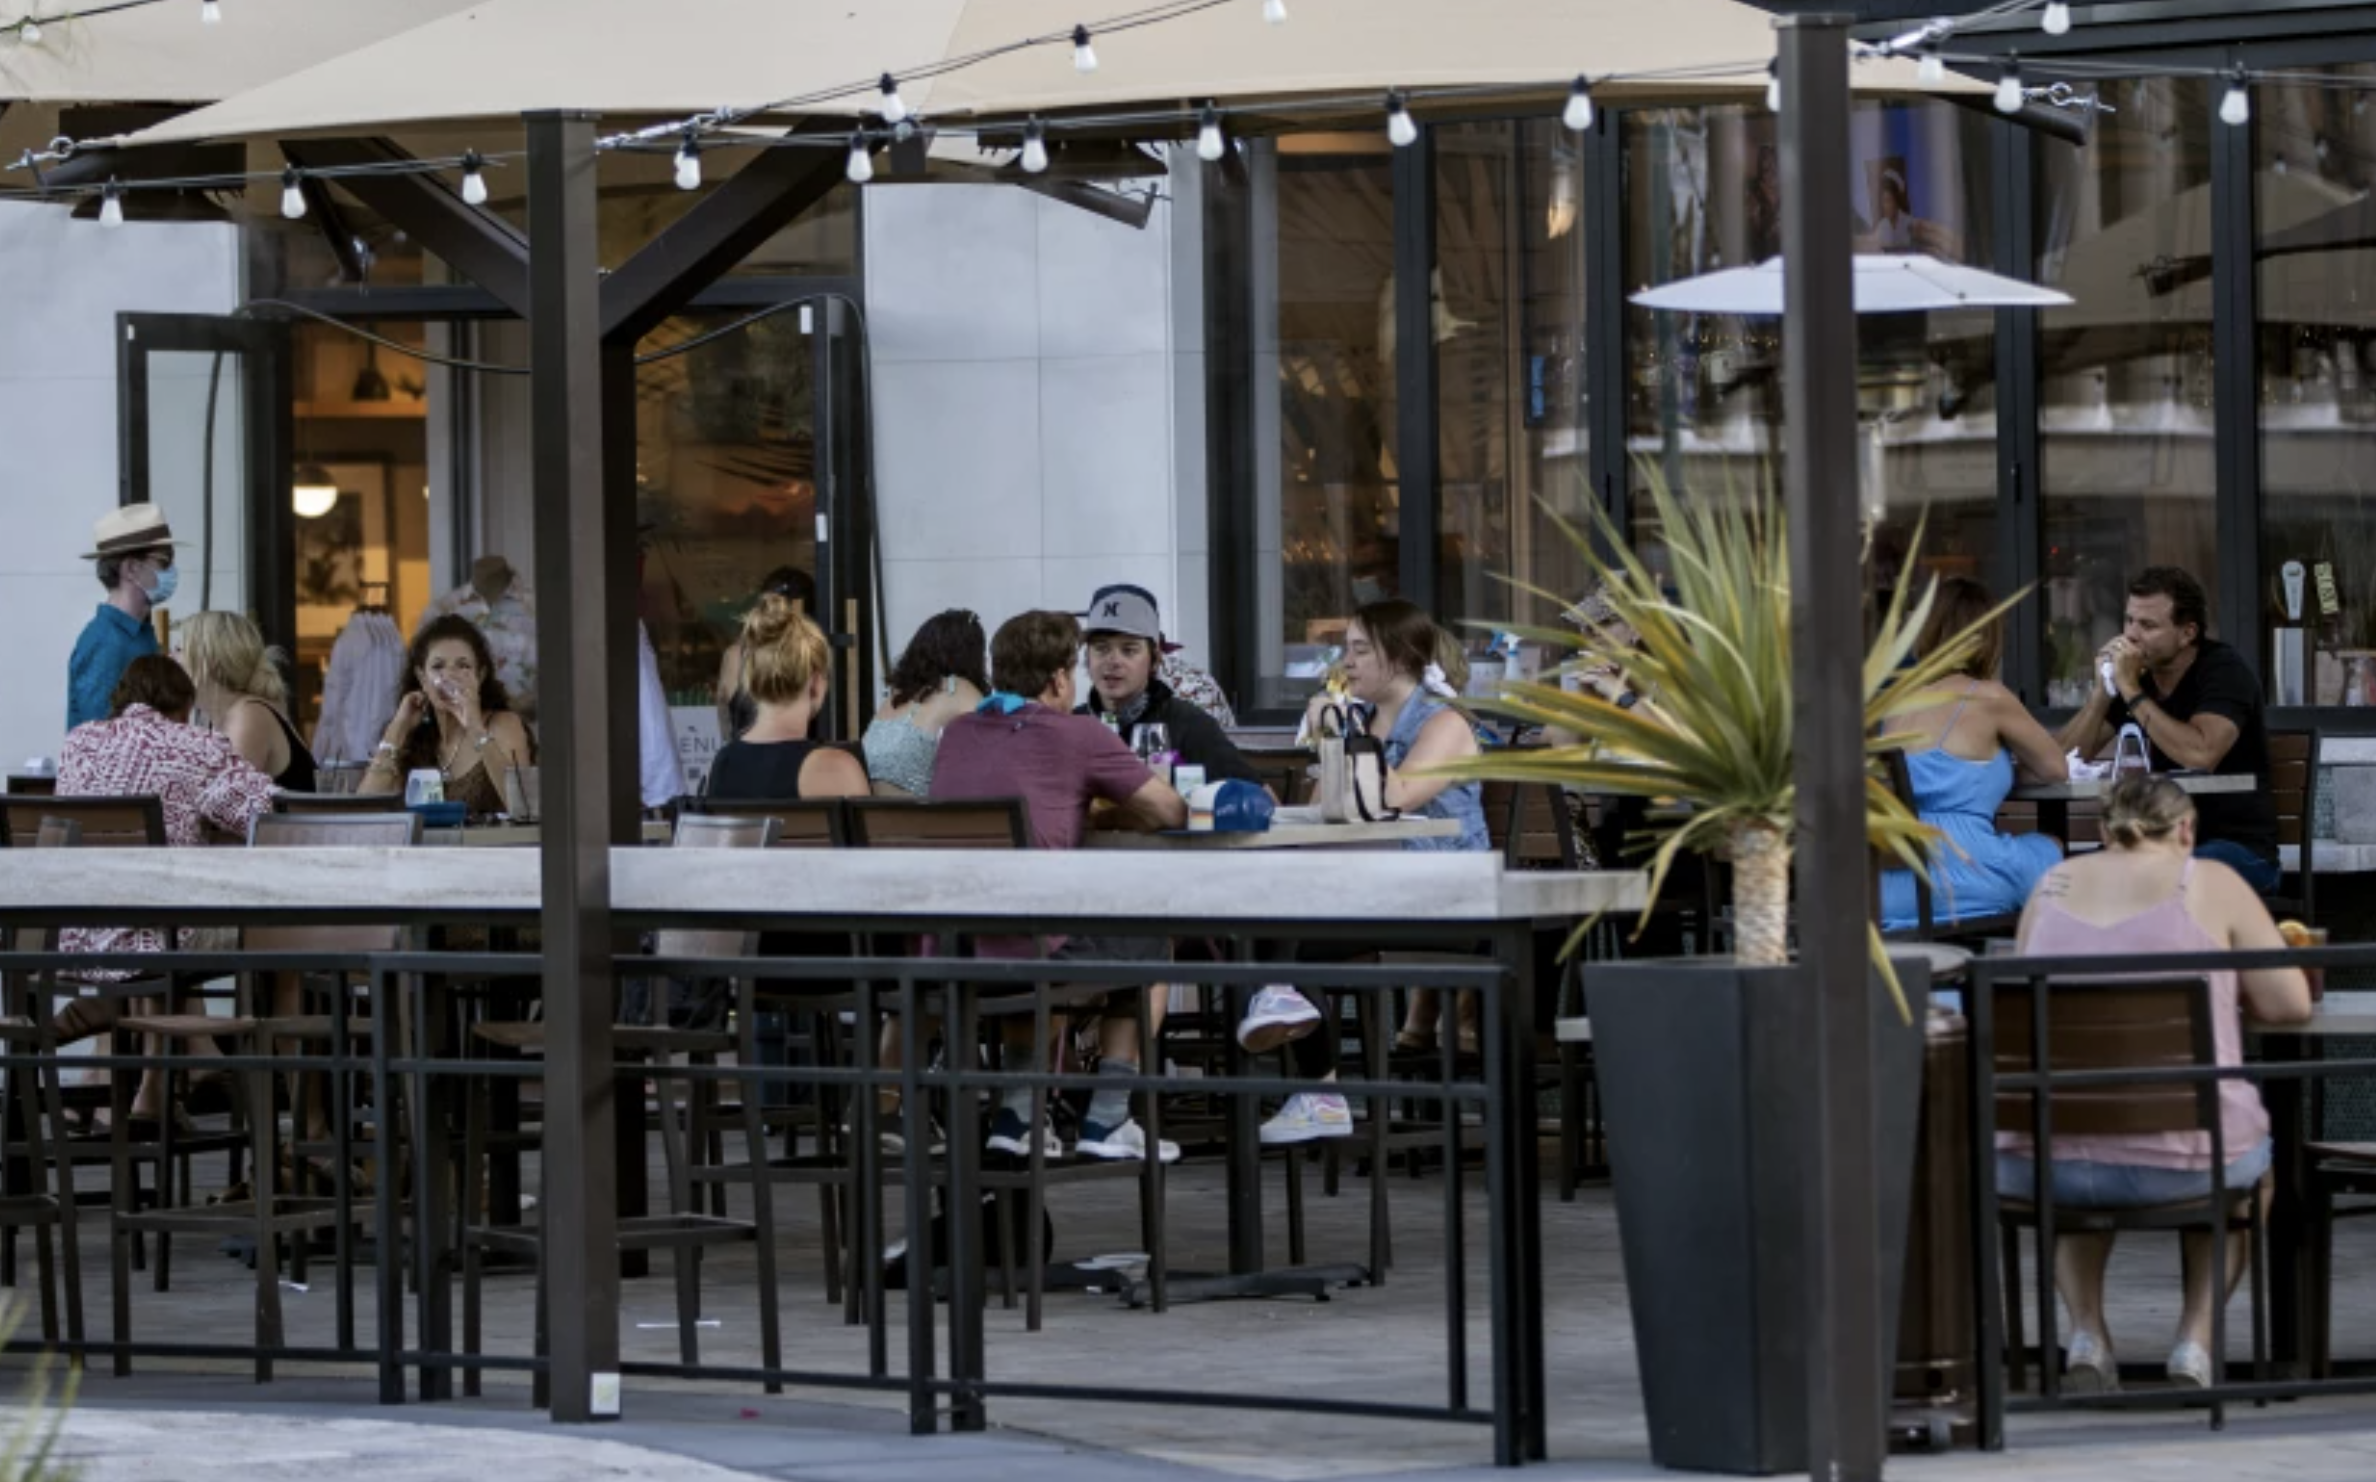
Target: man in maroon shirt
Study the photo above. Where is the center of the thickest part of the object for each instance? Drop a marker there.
(1025, 742)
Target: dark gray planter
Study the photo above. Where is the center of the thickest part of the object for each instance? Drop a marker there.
(1706, 1081)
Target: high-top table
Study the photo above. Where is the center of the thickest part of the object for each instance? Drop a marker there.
(2054, 799)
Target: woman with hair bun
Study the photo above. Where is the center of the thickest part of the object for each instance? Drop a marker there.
(2144, 893)
(786, 671)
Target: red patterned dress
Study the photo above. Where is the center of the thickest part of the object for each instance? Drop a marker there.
(195, 773)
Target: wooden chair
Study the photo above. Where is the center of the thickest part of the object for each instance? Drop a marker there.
(2135, 1025)
(684, 1231)
(2293, 787)
(902, 823)
(101, 823)
(32, 787)
(35, 1111)
(801, 823)
(1286, 771)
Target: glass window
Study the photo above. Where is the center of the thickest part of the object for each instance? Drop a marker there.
(1510, 369)
(2125, 391)
(1704, 391)
(1327, 502)
(2315, 157)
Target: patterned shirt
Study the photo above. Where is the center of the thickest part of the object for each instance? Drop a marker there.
(510, 625)
(196, 774)
(1197, 688)
(108, 645)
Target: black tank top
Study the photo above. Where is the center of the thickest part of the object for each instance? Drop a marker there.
(756, 770)
(298, 775)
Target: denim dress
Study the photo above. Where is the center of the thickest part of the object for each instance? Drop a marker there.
(1462, 802)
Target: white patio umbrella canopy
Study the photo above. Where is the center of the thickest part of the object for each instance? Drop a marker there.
(1907, 283)
(164, 54)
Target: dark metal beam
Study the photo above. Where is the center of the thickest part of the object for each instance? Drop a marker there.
(1415, 425)
(2020, 517)
(574, 560)
(479, 245)
(755, 203)
(1847, 1389)
(2235, 381)
(1605, 311)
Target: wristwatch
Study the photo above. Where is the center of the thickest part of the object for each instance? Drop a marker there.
(1628, 700)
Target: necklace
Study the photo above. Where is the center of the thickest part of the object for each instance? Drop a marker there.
(448, 756)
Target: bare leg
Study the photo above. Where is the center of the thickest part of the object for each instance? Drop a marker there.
(2079, 1263)
(1420, 1017)
(2194, 1322)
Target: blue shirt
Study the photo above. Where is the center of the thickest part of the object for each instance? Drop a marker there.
(108, 645)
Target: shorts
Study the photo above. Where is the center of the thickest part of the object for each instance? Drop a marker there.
(2126, 1185)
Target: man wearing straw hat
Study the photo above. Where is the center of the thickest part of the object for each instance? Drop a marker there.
(132, 547)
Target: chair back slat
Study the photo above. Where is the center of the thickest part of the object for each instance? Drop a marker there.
(1286, 772)
(1529, 825)
(58, 833)
(801, 823)
(25, 786)
(2096, 1024)
(897, 823)
(712, 831)
(2293, 783)
(106, 823)
(349, 830)
(338, 802)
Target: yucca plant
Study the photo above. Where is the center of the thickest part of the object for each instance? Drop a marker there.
(27, 1449)
(1714, 739)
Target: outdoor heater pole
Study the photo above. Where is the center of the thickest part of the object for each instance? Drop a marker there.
(1847, 1396)
(580, 1217)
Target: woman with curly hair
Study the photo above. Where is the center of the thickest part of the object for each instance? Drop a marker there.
(452, 715)
(940, 676)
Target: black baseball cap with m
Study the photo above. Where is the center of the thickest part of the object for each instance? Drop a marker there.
(1127, 610)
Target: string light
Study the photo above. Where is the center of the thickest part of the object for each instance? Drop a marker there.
(895, 108)
(2008, 88)
(1084, 55)
(210, 12)
(861, 166)
(1578, 113)
(688, 161)
(2057, 19)
(2236, 108)
(1932, 70)
(29, 31)
(292, 195)
(1210, 146)
(1035, 147)
(474, 184)
(1774, 87)
(1399, 128)
(1275, 11)
(111, 204)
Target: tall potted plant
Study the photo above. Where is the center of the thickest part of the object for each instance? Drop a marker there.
(1703, 1062)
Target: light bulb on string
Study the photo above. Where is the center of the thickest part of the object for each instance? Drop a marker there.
(292, 195)
(1035, 147)
(1275, 11)
(111, 205)
(2057, 19)
(29, 31)
(2008, 88)
(2318, 147)
(2235, 109)
(1578, 113)
(1774, 86)
(861, 166)
(1084, 55)
(1210, 145)
(1399, 127)
(895, 109)
(474, 184)
(1932, 69)
(688, 162)
(210, 12)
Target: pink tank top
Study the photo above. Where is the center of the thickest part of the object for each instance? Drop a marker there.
(2161, 928)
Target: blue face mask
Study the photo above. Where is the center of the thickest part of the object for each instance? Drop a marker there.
(162, 592)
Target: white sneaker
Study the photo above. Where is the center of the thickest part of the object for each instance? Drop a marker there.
(2190, 1366)
(1309, 1116)
(1277, 1015)
(1116, 1144)
(2089, 1367)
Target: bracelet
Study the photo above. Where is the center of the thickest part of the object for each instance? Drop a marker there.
(383, 750)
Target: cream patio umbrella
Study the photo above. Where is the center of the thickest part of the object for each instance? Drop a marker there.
(631, 61)
(1885, 283)
(165, 54)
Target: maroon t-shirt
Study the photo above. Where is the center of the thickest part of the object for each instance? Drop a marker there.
(1058, 764)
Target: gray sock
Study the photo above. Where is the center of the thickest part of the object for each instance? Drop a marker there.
(1110, 1106)
(1019, 1102)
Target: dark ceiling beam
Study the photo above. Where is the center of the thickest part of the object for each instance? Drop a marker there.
(479, 245)
(755, 203)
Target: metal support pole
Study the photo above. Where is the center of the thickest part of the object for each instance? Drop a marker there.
(1847, 1392)
(573, 568)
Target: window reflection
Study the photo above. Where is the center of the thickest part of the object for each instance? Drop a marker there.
(2315, 156)
(2125, 397)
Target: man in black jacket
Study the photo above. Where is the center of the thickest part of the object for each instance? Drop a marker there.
(1123, 634)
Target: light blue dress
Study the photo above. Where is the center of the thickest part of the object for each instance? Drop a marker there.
(1463, 802)
(1996, 872)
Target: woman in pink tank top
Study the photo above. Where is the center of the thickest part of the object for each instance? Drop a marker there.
(2144, 893)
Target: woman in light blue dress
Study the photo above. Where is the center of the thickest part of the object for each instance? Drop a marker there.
(1963, 761)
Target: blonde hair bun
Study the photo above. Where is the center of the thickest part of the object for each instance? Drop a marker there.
(787, 651)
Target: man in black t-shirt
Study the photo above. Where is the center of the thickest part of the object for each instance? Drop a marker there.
(2199, 706)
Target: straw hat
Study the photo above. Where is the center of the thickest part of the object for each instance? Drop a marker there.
(130, 529)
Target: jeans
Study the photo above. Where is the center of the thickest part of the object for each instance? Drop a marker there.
(2260, 873)
(2126, 1185)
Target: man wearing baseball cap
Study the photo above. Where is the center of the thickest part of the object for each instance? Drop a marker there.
(132, 548)
(1123, 635)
